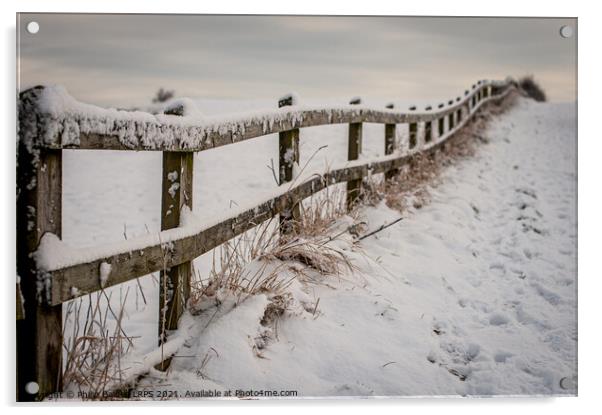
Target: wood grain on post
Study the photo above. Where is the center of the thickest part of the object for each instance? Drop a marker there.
(354, 149)
(413, 134)
(428, 131)
(175, 281)
(40, 333)
(288, 148)
(390, 143)
(125, 267)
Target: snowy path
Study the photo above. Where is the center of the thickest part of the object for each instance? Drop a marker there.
(475, 293)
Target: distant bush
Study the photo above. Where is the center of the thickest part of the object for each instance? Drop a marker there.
(163, 95)
(532, 88)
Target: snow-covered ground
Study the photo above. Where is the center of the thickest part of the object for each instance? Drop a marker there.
(475, 293)
(110, 195)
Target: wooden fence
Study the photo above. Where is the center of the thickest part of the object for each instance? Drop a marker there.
(45, 131)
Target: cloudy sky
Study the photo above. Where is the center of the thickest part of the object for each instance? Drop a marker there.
(122, 60)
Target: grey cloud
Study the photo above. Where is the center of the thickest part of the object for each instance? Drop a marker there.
(250, 56)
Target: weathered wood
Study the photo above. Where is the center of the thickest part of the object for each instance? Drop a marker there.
(288, 146)
(19, 307)
(39, 184)
(174, 280)
(413, 132)
(39, 190)
(428, 131)
(128, 265)
(390, 134)
(390, 130)
(204, 137)
(354, 149)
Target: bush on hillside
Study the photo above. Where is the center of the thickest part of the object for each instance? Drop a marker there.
(532, 88)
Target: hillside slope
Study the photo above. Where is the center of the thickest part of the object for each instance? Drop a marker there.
(472, 294)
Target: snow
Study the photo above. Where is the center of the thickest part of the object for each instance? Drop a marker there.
(105, 271)
(54, 253)
(172, 176)
(109, 196)
(173, 189)
(515, 279)
(473, 294)
(66, 119)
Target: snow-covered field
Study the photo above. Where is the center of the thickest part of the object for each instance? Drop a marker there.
(473, 294)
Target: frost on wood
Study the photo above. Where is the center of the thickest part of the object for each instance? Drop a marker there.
(173, 189)
(105, 271)
(66, 257)
(289, 156)
(172, 176)
(49, 116)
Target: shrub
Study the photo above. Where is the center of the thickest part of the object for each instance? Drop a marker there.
(532, 88)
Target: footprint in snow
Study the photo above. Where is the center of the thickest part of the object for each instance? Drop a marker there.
(498, 319)
(501, 356)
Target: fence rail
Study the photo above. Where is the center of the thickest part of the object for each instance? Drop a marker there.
(46, 128)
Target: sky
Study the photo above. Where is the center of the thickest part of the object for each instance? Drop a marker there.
(121, 60)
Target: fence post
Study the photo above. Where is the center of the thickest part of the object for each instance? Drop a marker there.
(390, 143)
(176, 193)
(354, 149)
(39, 210)
(428, 131)
(413, 132)
(288, 148)
(441, 122)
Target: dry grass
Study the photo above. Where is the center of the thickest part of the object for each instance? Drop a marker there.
(313, 253)
(320, 212)
(94, 350)
(230, 272)
(264, 261)
(410, 187)
(259, 260)
(315, 226)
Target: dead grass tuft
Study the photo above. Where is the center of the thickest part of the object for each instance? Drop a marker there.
(94, 350)
(276, 308)
(259, 260)
(410, 187)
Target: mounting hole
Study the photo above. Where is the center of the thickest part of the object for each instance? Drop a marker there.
(33, 27)
(567, 383)
(32, 388)
(566, 32)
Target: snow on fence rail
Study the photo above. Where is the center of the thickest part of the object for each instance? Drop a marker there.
(51, 273)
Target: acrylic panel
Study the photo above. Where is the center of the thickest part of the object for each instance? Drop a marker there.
(289, 207)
